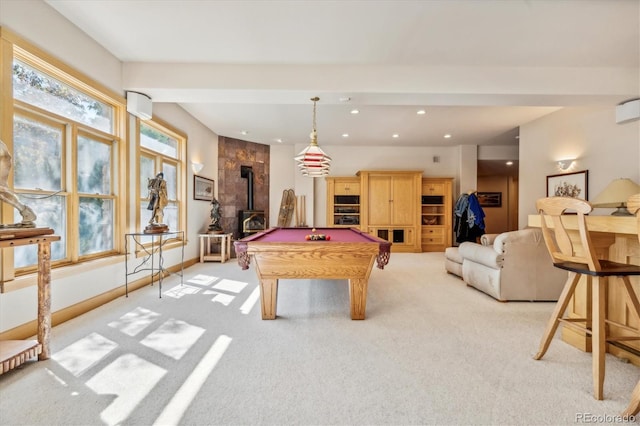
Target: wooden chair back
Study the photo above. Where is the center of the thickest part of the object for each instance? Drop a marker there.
(562, 248)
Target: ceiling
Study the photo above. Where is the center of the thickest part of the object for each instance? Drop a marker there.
(479, 69)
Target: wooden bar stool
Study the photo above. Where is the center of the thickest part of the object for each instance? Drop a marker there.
(577, 256)
(633, 205)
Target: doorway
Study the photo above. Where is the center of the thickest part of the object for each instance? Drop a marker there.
(499, 182)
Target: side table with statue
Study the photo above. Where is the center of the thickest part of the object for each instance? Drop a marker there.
(15, 352)
(215, 234)
(148, 246)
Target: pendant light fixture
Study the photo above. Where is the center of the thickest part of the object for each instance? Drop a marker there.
(312, 161)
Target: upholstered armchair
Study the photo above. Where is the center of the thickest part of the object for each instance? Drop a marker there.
(513, 265)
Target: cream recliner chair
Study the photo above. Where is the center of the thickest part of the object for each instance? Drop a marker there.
(514, 265)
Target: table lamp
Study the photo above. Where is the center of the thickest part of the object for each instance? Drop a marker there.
(616, 194)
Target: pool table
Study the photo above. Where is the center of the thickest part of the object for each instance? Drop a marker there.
(287, 253)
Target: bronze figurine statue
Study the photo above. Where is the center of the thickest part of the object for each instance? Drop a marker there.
(157, 202)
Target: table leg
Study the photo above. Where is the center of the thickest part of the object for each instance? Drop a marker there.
(202, 249)
(269, 298)
(44, 298)
(598, 337)
(223, 249)
(358, 297)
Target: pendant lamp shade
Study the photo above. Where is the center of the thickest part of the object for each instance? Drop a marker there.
(312, 161)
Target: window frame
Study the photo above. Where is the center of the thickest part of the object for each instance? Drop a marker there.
(13, 47)
(83, 132)
(159, 160)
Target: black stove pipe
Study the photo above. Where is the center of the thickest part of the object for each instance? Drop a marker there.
(247, 173)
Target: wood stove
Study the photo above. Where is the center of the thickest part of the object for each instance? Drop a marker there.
(250, 221)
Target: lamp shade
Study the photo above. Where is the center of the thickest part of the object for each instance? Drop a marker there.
(312, 161)
(616, 193)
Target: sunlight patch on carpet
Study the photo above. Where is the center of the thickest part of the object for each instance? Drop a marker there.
(181, 290)
(173, 412)
(230, 285)
(135, 321)
(202, 279)
(173, 338)
(86, 352)
(251, 301)
(224, 299)
(130, 379)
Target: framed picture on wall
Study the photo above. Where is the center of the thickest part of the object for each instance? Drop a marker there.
(490, 199)
(575, 185)
(202, 188)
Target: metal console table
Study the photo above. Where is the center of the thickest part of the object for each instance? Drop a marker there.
(148, 250)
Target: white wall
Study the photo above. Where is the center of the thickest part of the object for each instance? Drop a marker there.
(36, 22)
(606, 149)
(281, 177)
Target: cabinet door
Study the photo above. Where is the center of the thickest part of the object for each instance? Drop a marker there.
(343, 202)
(433, 189)
(403, 200)
(379, 192)
(347, 186)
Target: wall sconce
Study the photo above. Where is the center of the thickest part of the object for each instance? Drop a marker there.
(565, 165)
(196, 167)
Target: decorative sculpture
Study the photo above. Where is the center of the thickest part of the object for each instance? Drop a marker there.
(8, 196)
(214, 226)
(157, 202)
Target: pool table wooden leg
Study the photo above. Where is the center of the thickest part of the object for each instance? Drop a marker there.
(268, 298)
(358, 297)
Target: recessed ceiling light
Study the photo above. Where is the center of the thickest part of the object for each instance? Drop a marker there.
(421, 112)
(447, 136)
(355, 111)
(345, 99)
(395, 135)
(509, 163)
(244, 132)
(345, 135)
(278, 140)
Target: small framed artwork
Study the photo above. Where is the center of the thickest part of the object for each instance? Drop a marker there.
(490, 199)
(575, 185)
(202, 188)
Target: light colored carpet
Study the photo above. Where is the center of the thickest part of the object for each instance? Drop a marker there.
(431, 351)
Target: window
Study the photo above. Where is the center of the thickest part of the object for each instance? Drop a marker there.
(38, 151)
(65, 141)
(162, 149)
(47, 92)
(96, 201)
